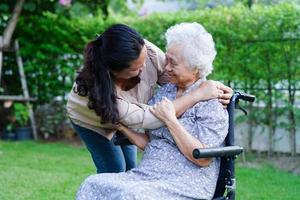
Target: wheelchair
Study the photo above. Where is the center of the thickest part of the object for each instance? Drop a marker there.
(226, 184)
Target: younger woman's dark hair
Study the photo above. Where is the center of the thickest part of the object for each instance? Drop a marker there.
(113, 50)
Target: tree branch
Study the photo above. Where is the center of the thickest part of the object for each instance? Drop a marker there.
(9, 30)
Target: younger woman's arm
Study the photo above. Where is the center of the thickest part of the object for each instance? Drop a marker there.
(136, 115)
(139, 139)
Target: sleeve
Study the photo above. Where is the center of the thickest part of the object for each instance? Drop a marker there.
(212, 123)
(160, 94)
(137, 115)
(158, 59)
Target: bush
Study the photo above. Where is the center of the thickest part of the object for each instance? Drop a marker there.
(21, 114)
(258, 51)
(51, 119)
(52, 45)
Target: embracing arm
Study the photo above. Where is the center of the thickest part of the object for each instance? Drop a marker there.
(139, 139)
(207, 90)
(136, 115)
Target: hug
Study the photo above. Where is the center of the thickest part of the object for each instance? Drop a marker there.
(185, 113)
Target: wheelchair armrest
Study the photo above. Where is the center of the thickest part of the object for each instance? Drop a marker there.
(217, 152)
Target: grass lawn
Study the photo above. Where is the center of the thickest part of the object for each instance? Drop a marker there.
(33, 170)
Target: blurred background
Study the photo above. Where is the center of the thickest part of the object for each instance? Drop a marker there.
(258, 45)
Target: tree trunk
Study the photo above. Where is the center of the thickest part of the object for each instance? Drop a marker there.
(9, 30)
(292, 116)
(291, 103)
(251, 124)
(250, 3)
(270, 120)
(104, 7)
(251, 119)
(292, 132)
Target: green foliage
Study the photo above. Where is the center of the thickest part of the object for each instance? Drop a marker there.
(21, 114)
(37, 7)
(52, 44)
(258, 50)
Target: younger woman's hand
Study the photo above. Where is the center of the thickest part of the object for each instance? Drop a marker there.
(226, 94)
(208, 90)
(117, 127)
(164, 110)
(213, 89)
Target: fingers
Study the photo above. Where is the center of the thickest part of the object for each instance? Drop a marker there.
(118, 126)
(225, 96)
(225, 102)
(167, 101)
(152, 110)
(155, 108)
(220, 93)
(225, 88)
(163, 103)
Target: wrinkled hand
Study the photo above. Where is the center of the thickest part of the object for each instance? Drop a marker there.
(225, 95)
(164, 110)
(213, 89)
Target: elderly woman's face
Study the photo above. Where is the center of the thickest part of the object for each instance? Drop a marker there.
(177, 67)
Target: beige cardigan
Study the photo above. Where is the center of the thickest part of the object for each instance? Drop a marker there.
(131, 104)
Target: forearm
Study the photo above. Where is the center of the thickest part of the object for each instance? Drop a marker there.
(186, 142)
(185, 102)
(139, 139)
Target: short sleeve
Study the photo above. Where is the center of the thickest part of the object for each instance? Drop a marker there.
(162, 92)
(158, 59)
(212, 122)
(137, 115)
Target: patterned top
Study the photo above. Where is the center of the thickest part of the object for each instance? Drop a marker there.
(164, 172)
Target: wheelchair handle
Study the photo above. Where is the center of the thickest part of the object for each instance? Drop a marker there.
(234, 102)
(244, 96)
(217, 152)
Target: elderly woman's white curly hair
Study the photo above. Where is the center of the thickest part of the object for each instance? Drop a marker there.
(197, 45)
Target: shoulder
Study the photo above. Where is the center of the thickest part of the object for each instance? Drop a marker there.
(152, 48)
(163, 91)
(166, 89)
(211, 109)
(154, 52)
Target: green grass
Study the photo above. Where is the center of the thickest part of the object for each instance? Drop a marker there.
(33, 170)
(30, 170)
(266, 183)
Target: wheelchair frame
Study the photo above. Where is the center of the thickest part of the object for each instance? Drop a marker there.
(228, 153)
(226, 180)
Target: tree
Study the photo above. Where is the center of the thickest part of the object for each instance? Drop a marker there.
(9, 30)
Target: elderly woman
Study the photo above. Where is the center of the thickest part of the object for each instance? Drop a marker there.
(118, 78)
(168, 170)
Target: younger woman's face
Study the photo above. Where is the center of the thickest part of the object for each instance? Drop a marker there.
(135, 68)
